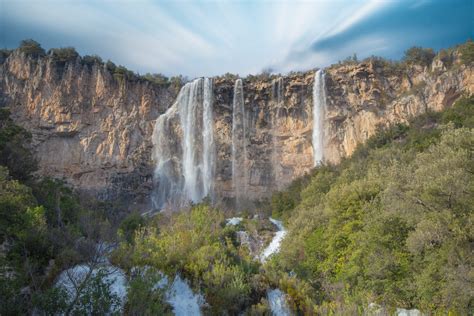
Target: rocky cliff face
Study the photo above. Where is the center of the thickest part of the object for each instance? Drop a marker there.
(367, 96)
(89, 128)
(95, 130)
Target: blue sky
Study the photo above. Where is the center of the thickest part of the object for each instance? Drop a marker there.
(205, 38)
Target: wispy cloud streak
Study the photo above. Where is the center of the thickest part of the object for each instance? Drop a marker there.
(212, 37)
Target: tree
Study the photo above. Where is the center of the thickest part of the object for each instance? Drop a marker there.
(419, 56)
(467, 52)
(14, 153)
(31, 48)
(64, 55)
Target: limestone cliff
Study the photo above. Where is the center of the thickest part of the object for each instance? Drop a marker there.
(89, 128)
(95, 130)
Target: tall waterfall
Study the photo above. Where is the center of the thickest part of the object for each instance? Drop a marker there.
(183, 147)
(239, 150)
(278, 103)
(319, 106)
(208, 154)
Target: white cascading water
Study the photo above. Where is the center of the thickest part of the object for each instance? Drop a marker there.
(277, 302)
(319, 106)
(208, 154)
(182, 298)
(185, 165)
(278, 103)
(239, 143)
(275, 243)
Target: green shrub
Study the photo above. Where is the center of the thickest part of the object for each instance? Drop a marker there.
(143, 296)
(158, 79)
(419, 56)
(63, 55)
(31, 48)
(467, 53)
(90, 60)
(130, 225)
(14, 152)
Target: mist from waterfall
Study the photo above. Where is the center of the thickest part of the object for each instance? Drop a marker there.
(185, 160)
(239, 150)
(319, 106)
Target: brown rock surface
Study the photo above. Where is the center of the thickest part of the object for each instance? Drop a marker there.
(95, 130)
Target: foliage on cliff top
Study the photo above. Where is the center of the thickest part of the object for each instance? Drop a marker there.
(31, 48)
(467, 53)
(419, 56)
(391, 225)
(63, 56)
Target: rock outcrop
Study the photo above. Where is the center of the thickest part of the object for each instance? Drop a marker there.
(89, 128)
(95, 130)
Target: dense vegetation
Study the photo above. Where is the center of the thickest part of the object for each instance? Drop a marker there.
(392, 224)
(44, 229)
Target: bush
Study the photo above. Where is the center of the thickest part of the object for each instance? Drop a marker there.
(158, 79)
(467, 53)
(90, 60)
(63, 55)
(14, 153)
(144, 297)
(129, 225)
(31, 48)
(419, 56)
(121, 73)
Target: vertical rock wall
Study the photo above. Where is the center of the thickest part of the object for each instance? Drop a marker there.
(95, 130)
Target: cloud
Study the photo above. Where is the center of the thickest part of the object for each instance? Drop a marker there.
(198, 38)
(387, 29)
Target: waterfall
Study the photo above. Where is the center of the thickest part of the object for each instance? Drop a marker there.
(239, 151)
(188, 114)
(319, 106)
(208, 154)
(183, 147)
(278, 102)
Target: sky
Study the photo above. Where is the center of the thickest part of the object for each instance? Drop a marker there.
(207, 38)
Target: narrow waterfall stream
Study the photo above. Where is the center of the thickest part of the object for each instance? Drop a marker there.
(182, 298)
(239, 145)
(178, 294)
(276, 298)
(185, 163)
(319, 106)
(278, 103)
(274, 245)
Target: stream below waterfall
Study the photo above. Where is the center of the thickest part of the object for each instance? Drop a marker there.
(178, 294)
(276, 298)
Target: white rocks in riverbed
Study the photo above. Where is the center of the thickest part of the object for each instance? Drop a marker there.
(181, 297)
(408, 312)
(234, 221)
(277, 302)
